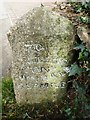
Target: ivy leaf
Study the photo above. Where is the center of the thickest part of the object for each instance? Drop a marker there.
(74, 69)
(83, 55)
(88, 107)
(80, 56)
(86, 54)
(68, 111)
(79, 10)
(80, 47)
(89, 75)
(89, 65)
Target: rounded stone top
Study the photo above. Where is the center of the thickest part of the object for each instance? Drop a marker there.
(41, 21)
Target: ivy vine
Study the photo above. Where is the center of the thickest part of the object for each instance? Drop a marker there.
(78, 98)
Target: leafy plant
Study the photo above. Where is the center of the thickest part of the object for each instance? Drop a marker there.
(84, 19)
(79, 75)
(75, 70)
(82, 6)
(78, 103)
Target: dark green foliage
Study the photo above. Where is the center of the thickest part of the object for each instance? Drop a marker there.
(84, 8)
(83, 61)
(81, 6)
(77, 107)
(84, 19)
(78, 98)
(74, 69)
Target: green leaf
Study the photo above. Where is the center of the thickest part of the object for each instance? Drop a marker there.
(88, 69)
(89, 66)
(79, 9)
(68, 111)
(80, 56)
(86, 54)
(88, 107)
(74, 69)
(89, 75)
(80, 47)
(84, 19)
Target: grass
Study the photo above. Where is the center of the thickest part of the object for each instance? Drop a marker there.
(8, 98)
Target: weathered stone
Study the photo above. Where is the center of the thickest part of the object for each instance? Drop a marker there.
(84, 35)
(41, 42)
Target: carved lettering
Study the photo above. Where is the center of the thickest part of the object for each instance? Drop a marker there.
(35, 47)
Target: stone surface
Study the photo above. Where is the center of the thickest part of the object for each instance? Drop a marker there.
(84, 35)
(41, 44)
(10, 12)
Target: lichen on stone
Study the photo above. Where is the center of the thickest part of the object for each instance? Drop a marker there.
(40, 41)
